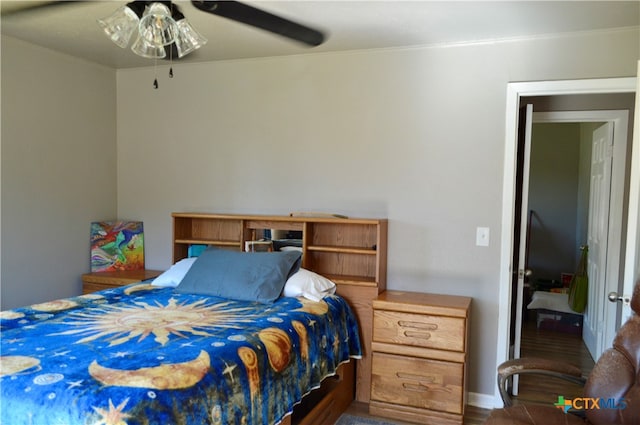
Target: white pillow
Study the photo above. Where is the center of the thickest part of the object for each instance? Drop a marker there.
(174, 275)
(308, 284)
(550, 301)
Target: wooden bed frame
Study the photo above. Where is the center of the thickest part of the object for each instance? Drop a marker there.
(352, 252)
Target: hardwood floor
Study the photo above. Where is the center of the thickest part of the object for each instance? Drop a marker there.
(473, 415)
(535, 343)
(556, 346)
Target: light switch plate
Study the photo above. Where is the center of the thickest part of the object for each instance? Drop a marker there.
(482, 236)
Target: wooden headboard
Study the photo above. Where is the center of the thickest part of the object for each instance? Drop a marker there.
(352, 252)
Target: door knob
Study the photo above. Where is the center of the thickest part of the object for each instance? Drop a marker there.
(524, 273)
(614, 297)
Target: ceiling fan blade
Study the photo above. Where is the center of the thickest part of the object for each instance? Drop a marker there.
(259, 18)
(8, 8)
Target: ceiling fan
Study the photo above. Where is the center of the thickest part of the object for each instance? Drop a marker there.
(161, 31)
(258, 18)
(233, 10)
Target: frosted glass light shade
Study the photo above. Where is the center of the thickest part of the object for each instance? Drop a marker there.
(147, 50)
(188, 39)
(120, 25)
(157, 26)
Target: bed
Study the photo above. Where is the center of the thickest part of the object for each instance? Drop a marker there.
(146, 353)
(553, 312)
(149, 353)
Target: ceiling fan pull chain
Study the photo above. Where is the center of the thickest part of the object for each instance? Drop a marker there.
(171, 46)
(155, 72)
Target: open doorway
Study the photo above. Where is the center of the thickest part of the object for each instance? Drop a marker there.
(557, 229)
(573, 177)
(575, 168)
(557, 233)
(577, 175)
(551, 96)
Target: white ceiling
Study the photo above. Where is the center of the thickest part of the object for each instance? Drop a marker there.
(70, 27)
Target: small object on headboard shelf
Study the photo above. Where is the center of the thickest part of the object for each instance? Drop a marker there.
(196, 249)
(258, 246)
(312, 214)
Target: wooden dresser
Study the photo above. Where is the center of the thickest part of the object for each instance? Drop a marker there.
(420, 354)
(97, 281)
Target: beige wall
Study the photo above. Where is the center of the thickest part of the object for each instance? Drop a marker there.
(58, 169)
(554, 199)
(415, 135)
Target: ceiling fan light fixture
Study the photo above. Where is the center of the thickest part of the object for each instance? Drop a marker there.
(120, 26)
(188, 39)
(157, 26)
(147, 50)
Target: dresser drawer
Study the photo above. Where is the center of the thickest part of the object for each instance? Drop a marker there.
(421, 383)
(420, 330)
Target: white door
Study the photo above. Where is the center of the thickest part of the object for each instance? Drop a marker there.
(520, 230)
(597, 239)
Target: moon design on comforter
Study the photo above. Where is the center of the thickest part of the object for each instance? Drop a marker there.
(164, 377)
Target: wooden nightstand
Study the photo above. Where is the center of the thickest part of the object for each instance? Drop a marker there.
(92, 282)
(420, 353)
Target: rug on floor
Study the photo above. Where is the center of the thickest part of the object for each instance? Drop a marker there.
(347, 419)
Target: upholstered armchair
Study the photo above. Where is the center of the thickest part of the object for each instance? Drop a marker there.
(614, 381)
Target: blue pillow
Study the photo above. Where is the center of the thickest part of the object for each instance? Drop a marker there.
(244, 276)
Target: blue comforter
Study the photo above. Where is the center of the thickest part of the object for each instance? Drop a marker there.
(147, 355)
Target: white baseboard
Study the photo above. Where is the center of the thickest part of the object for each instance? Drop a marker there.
(483, 401)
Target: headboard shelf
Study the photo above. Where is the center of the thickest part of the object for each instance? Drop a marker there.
(352, 252)
(274, 224)
(201, 241)
(353, 247)
(342, 249)
(351, 280)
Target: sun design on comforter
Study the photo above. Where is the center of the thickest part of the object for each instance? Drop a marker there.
(121, 323)
(113, 416)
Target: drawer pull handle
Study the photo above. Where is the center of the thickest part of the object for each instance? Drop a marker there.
(418, 325)
(414, 334)
(415, 377)
(422, 383)
(415, 387)
(420, 387)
